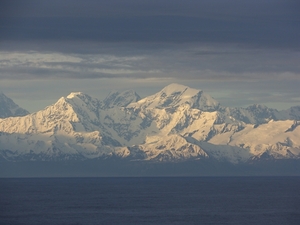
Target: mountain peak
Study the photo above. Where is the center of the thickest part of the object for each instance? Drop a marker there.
(79, 98)
(174, 95)
(177, 87)
(75, 94)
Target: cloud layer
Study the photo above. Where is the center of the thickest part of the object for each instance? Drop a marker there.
(241, 52)
(262, 23)
(193, 61)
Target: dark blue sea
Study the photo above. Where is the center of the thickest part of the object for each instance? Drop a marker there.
(171, 200)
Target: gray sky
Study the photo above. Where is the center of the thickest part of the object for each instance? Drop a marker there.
(239, 52)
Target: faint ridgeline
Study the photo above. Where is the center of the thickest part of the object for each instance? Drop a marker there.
(10, 109)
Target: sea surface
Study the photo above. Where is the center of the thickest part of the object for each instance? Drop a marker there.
(159, 200)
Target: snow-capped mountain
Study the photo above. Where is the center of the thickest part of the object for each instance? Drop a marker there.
(174, 125)
(8, 108)
(292, 113)
(176, 95)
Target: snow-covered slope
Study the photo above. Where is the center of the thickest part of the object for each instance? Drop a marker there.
(170, 148)
(176, 124)
(8, 108)
(277, 139)
(257, 114)
(120, 99)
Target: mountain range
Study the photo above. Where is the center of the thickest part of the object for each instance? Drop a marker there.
(181, 130)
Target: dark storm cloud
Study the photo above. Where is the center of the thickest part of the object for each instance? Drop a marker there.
(268, 23)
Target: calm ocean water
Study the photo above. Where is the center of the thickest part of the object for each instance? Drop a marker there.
(193, 200)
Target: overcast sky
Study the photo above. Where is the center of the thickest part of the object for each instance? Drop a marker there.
(239, 52)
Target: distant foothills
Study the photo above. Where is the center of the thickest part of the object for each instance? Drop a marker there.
(179, 131)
